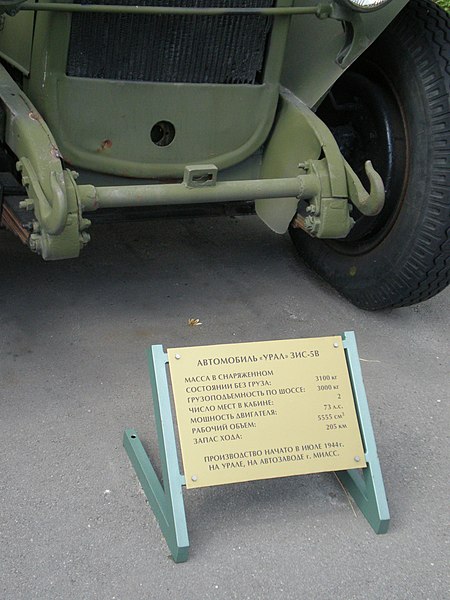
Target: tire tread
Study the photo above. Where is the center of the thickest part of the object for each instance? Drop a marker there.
(430, 270)
(411, 263)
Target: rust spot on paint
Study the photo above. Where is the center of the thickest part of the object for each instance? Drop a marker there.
(105, 145)
(55, 153)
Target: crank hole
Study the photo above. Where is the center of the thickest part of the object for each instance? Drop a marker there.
(162, 133)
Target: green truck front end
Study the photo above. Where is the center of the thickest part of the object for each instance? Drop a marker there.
(295, 108)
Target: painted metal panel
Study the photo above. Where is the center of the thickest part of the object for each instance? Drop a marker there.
(16, 38)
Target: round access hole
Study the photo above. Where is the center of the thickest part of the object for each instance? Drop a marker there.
(162, 133)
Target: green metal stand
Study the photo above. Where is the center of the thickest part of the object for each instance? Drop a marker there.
(365, 485)
(166, 499)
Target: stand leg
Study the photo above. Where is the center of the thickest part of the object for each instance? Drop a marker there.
(367, 488)
(166, 500)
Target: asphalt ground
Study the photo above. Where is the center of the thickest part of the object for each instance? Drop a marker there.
(74, 523)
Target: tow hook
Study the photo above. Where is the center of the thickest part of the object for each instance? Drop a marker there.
(369, 204)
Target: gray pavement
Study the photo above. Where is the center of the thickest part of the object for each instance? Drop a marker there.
(74, 523)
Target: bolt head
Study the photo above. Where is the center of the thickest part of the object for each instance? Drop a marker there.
(357, 458)
(336, 344)
(178, 356)
(194, 477)
(27, 204)
(35, 243)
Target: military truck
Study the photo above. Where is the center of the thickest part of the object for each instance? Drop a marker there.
(329, 118)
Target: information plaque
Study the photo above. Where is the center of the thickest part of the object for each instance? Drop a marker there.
(264, 409)
(258, 410)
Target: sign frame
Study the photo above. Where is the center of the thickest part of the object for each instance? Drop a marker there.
(166, 499)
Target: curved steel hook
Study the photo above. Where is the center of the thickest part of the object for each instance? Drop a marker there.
(369, 204)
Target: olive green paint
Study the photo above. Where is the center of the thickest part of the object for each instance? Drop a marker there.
(302, 186)
(16, 37)
(223, 124)
(313, 46)
(169, 10)
(104, 126)
(297, 141)
(59, 227)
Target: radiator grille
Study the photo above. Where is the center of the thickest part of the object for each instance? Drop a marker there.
(227, 49)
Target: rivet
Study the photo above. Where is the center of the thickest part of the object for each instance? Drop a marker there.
(178, 356)
(336, 344)
(357, 459)
(194, 477)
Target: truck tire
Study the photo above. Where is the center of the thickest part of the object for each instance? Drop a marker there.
(392, 106)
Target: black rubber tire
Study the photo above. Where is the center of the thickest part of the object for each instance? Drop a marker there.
(407, 259)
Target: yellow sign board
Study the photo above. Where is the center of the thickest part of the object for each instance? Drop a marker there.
(264, 409)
